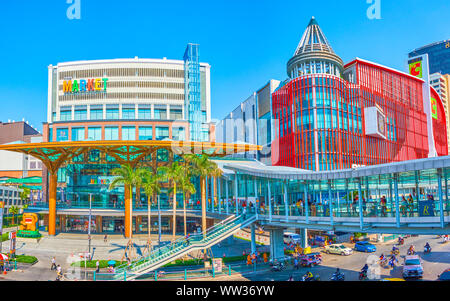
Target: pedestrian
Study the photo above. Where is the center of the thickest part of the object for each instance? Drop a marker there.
(53, 267)
(105, 238)
(187, 239)
(296, 263)
(244, 212)
(59, 270)
(97, 265)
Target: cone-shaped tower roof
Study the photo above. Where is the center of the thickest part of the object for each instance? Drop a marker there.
(313, 39)
(314, 46)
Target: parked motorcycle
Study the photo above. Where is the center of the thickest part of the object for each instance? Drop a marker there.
(313, 278)
(278, 267)
(362, 275)
(338, 277)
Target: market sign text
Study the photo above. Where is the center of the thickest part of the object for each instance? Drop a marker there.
(84, 86)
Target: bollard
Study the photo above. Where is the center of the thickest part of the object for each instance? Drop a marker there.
(125, 275)
(156, 276)
(185, 274)
(15, 265)
(229, 270)
(94, 275)
(213, 271)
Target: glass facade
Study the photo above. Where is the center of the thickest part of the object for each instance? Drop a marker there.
(161, 132)
(128, 133)
(78, 134)
(95, 133)
(111, 133)
(62, 134)
(438, 56)
(145, 133)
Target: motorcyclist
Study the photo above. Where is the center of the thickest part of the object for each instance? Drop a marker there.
(365, 269)
(382, 257)
(395, 249)
(309, 275)
(291, 278)
(411, 250)
(427, 247)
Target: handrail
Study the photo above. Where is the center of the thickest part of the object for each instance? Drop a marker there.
(180, 244)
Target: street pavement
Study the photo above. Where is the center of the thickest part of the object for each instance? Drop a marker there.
(63, 245)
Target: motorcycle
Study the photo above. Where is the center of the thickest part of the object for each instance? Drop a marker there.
(362, 275)
(401, 241)
(395, 252)
(278, 267)
(313, 278)
(411, 252)
(338, 277)
(427, 250)
(383, 262)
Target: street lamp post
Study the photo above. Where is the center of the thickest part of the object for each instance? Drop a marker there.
(159, 222)
(89, 224)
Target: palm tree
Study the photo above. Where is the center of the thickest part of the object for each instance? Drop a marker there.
(173, 173)
(151, 182)
(128, 177)
(188, 188)
(202, 166)
(13, 210)
(24, 194)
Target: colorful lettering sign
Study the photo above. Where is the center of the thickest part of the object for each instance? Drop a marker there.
(85, 86)
(426, 208)
(434, 112)
(415, 68)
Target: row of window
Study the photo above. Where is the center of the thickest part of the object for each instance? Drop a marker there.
(112, 133)
(114, 72)
(127, 113)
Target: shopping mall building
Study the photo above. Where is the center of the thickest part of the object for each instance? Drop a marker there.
(330, 115)
(120, 99)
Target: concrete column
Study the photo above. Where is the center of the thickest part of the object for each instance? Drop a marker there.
(306, 203)
(441, 197)
(213, 193)
(226, 196)
(330, 203)
(53, 179)
(304, 235)
(128, 213)
(286, 213)
(397, 201)
(236, 192)
(256, 199)
(206, 192)
(269, 197)
(219, 196)
(276, 244)
(253, 238)
(361, 221)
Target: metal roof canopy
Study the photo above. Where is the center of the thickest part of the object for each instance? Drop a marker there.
(55, 154)
(258, 169)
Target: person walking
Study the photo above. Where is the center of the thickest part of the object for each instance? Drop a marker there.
(105, 238)
(97, 266)
(53, 266)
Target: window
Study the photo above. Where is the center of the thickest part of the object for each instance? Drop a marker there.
(111, 133)
(128, 113)
(80, 114)
(176, 114)
(96, 114)
(95, 133)
(204, 117)
(78, 134)
(161, 132)
(178, 133)
(145, 114)
(62, 134)
(145, 133)
(160, 114)
(65, 114)
(128, 133)
(112, 113)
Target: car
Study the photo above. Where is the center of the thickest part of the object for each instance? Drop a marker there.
(310, 259)
(293, 238)
(412, 267)
(445, 276)
(365, 246)
(338, 249)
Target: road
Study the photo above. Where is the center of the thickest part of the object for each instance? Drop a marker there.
(434, 263)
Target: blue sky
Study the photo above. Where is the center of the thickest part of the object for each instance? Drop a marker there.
(247, 42)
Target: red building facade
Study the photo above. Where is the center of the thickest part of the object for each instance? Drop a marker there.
(374, 115)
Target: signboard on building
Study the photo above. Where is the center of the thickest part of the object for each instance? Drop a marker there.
(12, 246)
(375, 122)
(218, 265)
(426, 208)
(83, 86)
(2, 205)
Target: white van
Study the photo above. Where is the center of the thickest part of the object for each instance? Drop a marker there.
(289, 237)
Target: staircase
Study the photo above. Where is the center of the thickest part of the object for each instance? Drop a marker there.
(168, 253)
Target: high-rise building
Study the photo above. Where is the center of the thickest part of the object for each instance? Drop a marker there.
(438, 55)
(441, 84)
(251, 122)
(371, 115)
